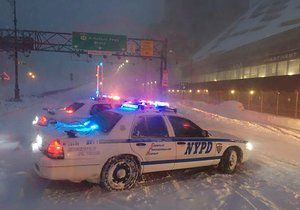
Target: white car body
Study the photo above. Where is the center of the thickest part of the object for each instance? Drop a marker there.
(85, 156)
(59, 114)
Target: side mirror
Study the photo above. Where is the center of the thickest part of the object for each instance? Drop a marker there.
(205, 133)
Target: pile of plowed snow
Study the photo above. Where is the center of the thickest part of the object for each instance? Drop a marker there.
(236, 110)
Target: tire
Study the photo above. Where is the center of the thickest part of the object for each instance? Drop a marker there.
(229, 161)
(120, 173)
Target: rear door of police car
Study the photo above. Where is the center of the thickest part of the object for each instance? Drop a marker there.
(193, 149)
(150, 140)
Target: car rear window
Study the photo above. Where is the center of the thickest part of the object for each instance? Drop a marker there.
(99, 108)
(106, 120)
(74, 107)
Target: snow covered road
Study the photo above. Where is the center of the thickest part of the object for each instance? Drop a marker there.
(269, 180)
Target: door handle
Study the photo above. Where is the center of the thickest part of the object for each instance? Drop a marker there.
(140, 144)
(181, 142)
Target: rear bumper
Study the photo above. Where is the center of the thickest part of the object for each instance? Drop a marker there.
(65, 170)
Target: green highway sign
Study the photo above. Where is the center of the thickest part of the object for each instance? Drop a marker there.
(99, 42)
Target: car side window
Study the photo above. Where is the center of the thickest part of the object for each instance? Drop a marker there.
(150, 126)
(156, 126)
(140, 128)
(185, 128)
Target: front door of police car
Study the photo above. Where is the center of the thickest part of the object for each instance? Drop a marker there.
(151, 141)
(193, 149)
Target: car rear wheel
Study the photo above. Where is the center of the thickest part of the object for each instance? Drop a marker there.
(229, 161)
(120, 173)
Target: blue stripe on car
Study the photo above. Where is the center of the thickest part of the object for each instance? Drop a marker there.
(166, 139)
(175, 139)
(180, 160)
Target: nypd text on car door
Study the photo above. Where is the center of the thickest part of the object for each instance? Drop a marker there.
(193, 147)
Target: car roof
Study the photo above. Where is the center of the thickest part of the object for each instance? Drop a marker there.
(144, 112)
(90, 101)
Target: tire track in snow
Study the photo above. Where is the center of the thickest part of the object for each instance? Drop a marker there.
(283, 131)
(239, 184)
(260, 183)
(246, 199)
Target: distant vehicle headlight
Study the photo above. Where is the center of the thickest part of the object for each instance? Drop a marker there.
(35, 120)
(249, 146)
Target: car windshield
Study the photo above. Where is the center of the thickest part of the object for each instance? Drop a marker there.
(106, 120)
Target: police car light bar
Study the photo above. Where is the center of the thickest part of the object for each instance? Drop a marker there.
(161, 104)
(116, 98)
(129, 106)
(145, 105)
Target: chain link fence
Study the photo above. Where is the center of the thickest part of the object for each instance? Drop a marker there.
(272, 102)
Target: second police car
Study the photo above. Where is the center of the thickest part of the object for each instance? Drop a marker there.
(116, 146)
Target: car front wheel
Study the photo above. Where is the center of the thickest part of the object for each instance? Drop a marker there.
(120, 173)
(229, 161)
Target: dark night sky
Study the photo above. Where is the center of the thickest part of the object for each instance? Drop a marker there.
(128, 17)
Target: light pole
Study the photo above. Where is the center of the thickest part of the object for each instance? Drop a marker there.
(17, 90)
(99, 70)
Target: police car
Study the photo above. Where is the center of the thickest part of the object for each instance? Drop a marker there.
(76, 111)
(116, 146)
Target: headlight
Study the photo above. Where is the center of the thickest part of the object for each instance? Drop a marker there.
(42, 120)
(35, 120)
(249, 146)
(37, 144)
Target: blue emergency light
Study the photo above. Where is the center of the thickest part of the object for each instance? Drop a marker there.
(129, 107)
(87, 126)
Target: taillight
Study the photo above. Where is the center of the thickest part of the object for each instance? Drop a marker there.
(43, 120)
(55, 149)
(69, 110)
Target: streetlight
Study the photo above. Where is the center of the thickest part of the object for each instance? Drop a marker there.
(232, 92)
(198, 91)
(127, 61)
(99, 77)
(251, 92)
(31, 75)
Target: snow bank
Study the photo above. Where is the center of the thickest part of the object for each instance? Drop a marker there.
(6, 145)
(236, 110)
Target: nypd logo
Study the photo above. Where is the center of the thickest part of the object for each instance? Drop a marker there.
(219, 147)
(198, 148)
